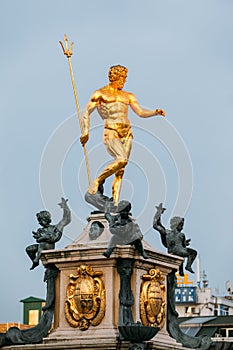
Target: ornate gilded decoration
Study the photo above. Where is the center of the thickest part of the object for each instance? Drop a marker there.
(152, 299)
(85, 302)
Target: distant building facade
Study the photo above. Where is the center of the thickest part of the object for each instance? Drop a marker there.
(202, 313)
(195, 301)
(5, 326)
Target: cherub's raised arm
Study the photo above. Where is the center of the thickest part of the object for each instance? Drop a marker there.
(157, 225)
(66, 219)
(142, 112)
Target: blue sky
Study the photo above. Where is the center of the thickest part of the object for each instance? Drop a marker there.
(179, 56)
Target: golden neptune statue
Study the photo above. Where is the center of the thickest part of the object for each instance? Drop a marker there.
(112, 104)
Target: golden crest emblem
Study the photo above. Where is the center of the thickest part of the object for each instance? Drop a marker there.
(152, 299)
(85, 299)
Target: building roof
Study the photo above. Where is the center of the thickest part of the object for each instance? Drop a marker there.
(32, 300)
(210, 331)
(196, 320)
(207, 321)
(204, 325)
(222, 321)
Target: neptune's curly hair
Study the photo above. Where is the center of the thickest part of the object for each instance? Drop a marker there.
(117, 71)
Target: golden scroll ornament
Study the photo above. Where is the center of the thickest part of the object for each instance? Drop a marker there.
(85, 298)
(152, 299)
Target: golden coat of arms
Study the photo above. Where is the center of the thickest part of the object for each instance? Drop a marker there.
(152, 299)
(85, 302)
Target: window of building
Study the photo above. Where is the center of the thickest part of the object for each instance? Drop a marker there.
(226, 332)
(33, 317)
(223, 310)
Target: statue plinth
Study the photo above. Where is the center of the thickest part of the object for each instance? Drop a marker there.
(80, 318)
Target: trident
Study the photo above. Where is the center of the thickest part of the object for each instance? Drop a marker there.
(68, 53)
